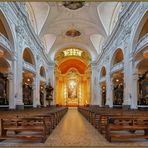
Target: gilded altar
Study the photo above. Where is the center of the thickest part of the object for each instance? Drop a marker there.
(72, 76)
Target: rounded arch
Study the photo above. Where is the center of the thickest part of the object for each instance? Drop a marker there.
(68, 52)
(103, 72)
(42, 72)
(118, 57)
(28, 56)
(72, 69)
(78, 64)
(4, 65)
(142, 66)
(140, 24)
(93, 53)
(31, 16)
(5, 53)
(5, 28)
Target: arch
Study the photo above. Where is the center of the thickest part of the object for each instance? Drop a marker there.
(142, 66)
(28, 56)
(72, 52)
(5, 28)
(72, 63)
(144, 29)
(115, 16)
(37, 18)
(117, 56)
(97, 41)
(108, 14)
(42, 72)
(48, 41)
(4, 65)
(5, 53)
(31, 16)
(103, 72)
(93, 53)
(141, 23)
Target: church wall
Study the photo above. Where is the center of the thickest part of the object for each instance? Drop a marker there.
(123, 36)
(23, 37)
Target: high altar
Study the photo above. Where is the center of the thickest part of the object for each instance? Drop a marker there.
(72, 76)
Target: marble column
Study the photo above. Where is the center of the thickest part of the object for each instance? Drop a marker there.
(127, 83)
(19, 88)
(11, 91)
(36, 91)
(109, 91)
(19, 73)
(134, 91)
(94, 87)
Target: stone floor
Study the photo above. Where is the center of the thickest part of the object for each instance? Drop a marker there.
(75, 130)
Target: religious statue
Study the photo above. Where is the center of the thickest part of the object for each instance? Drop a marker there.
(49, 92)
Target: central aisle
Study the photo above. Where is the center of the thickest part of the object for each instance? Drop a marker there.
(74, 130)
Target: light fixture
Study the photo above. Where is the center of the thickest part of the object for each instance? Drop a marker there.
(28, 80)
(117, 80)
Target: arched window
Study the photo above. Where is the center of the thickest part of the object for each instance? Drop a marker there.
(42, 71)
(103, 72)
(118, 57)
(28, 56)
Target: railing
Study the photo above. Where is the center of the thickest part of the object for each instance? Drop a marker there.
(28, 66)
(4, 41)
(142, 42)
(117, 67)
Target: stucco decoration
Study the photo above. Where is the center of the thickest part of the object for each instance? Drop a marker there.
(73, 5)
(73, 33)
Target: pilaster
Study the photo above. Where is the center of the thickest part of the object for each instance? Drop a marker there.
(109, 91)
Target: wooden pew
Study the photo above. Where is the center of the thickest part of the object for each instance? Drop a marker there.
(117, 124)
(22, 125)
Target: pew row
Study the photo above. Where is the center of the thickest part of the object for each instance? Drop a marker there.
(37, 127)
(115, 126)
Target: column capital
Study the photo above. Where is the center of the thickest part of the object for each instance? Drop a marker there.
(10, 76)
(135, 76)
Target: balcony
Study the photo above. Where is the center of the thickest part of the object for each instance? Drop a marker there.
(117, 67)
(142, 43)
(5, 42)
(28, 66)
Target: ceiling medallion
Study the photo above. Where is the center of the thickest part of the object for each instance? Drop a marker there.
(73, 33)
(73, 5)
